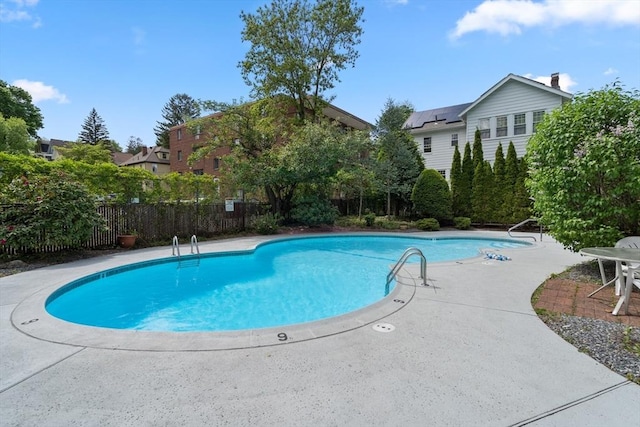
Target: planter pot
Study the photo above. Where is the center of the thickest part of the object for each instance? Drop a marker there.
(127, 240)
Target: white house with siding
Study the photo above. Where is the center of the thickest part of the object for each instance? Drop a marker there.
(508, 111)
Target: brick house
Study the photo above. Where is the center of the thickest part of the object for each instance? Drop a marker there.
(183, 143)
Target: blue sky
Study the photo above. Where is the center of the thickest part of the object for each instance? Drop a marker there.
(126, 58)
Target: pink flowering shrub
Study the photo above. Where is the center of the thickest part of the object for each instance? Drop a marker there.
(585, 168)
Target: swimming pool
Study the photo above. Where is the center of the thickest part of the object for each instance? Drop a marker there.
(283, 282)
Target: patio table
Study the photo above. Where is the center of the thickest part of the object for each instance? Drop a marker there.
(619, 255)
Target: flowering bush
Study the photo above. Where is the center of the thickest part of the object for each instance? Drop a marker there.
(46, 210)
(585, 168)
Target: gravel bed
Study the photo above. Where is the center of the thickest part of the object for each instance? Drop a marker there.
(609, 343)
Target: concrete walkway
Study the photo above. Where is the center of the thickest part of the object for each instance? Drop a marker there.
(470, 352)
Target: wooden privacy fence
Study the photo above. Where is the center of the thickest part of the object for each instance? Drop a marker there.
(160, 222)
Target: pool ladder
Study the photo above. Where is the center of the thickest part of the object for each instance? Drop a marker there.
(403, 259)
(193, 261)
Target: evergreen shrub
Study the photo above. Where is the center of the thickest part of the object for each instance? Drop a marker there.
(462, 222)
(370, 219)
(267, 223)
(428, 224)
(314, 211)
(431, 196)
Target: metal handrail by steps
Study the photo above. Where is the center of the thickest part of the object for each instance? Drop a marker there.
(194, 243)
(520, 224)
(175, 248)
(403, 259)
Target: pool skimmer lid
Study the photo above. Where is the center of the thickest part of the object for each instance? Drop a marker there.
(383, 327)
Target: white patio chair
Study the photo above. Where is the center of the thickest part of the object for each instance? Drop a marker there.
(627, 242)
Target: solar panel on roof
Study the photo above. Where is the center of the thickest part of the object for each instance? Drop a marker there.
(447, 114)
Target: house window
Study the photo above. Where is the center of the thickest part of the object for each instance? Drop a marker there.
(154, 168)
(198, 172)
(179, 155)
(426, 144)
(501, 126)
(197, 136)
(454, 139)
(179, 134)
(443, 173)
(164, 155)
(537, 118)
(216, 163)
(519, 124)
(483, 126)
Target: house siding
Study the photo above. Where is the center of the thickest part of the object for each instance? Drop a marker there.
(509, 97)
(441, 155)
(512, 98)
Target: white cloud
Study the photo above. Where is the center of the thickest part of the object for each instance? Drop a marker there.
(610, 71)
(138, 36)
(139, 40)
(16, 11)
(565, 80)
(21, 3)
(512, 16)
(396, 2)
(41, 92)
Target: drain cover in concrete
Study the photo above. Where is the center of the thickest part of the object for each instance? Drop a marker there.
(383, 327)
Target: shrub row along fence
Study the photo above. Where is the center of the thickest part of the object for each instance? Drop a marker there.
(160, 222)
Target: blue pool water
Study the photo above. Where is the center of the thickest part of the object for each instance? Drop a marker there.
(280, 283)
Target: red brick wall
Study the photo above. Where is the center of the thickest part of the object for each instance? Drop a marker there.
(186, 145)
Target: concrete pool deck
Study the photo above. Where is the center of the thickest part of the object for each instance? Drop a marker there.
(467, 351)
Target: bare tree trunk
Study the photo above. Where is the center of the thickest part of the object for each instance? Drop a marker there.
(388, 203)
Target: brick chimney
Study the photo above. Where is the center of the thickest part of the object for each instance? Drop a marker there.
(555, 80)
(144, 151)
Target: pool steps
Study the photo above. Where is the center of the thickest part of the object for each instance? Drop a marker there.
(191, 261)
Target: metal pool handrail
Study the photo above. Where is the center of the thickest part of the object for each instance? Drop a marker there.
(402, 261)
(175, 246)
(520, 224)
(194, 242)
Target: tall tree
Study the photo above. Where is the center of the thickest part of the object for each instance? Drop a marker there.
(298, 47)
(500, 187)
(466, 183)
(178, 110)
(135, 145)
(399, 162)
(14, 136)
(511, 166)
(94, 130)
(356, 177)
(478, 155)
(511, 172)
(521, 199)
(258, 160)
(88, 153)
(482, 192)
(16, 102)
(456, 183)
